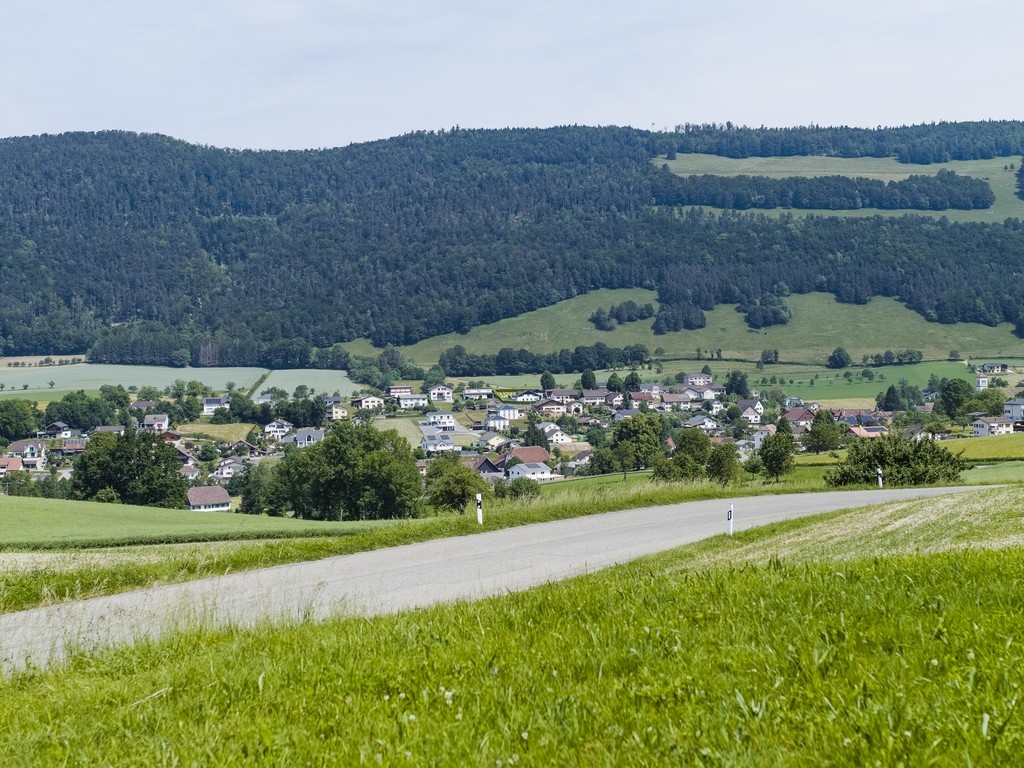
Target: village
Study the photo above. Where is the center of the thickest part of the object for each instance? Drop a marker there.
(542, 435)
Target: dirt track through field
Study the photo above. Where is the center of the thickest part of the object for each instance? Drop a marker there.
(401, 578)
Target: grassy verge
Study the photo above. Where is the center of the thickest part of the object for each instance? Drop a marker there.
(75, 571)
(728, 652)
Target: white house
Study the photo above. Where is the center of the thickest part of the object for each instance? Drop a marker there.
(443, 421)
(367, 402)
(277, 428)
(31, 452)
(527, 396)
(477, 393)
(441, 394)
(1014, 409)
(534, 471)
(399, 389)
(762, 433)
(496, 423)
(228, 468)
(981, 383)
(438, 443)
(156, 422)
(305, 437)
(412, 400)
(697, 380)
(211, 404)
(990, 426)
(509, 412)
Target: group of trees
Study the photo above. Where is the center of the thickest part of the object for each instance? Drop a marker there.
(941, 192)
(179, 249)
(357, 472)
(921, 144)
(626, 312)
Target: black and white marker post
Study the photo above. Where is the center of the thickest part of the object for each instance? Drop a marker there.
(878, 470)
(728, 517)
(480, 508)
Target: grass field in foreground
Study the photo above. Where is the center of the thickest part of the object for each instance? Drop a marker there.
(30, 523)
(830, 641)
(1003, 182)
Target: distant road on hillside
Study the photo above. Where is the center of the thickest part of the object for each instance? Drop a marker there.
(389, 580)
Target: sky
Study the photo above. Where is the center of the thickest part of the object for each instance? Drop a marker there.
(296, 74)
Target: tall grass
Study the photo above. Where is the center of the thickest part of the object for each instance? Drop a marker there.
(912, 660)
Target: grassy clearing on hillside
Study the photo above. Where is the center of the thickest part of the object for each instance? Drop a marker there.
(683, 658)
(819, 325)
(1003, 182)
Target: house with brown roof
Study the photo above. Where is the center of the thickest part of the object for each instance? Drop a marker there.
(208, 498)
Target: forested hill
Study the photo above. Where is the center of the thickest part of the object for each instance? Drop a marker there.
(148, 249)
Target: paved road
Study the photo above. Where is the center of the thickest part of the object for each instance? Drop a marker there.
(412, 576)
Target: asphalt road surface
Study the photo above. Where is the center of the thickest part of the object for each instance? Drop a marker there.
(389, 580)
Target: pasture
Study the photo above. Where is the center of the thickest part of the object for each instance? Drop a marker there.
(1003, 182)
(819, 325)
(884, 634)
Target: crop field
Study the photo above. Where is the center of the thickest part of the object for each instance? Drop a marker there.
(69, 378)
(884, 635)
(322, 381)
(1003, 182)
(819, 325)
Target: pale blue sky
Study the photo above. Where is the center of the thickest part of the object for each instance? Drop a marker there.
(315, 73)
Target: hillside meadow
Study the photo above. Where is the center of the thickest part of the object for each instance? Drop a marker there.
(1002, 180)
(884, 635)
(819, 325)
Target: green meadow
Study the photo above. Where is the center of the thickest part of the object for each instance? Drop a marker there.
(819, 325)
(886, 636)
(1002, 181)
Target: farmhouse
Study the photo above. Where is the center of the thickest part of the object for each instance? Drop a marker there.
(208, 498)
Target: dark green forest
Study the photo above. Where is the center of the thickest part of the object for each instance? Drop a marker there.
(941, 192)
(145, 249)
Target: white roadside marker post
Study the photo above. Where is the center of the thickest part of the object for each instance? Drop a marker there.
(480, 508)
(729, 518)
(878, 470)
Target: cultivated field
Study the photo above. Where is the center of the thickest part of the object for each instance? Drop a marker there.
(69, 378)
(881, 635)
(1003, 182)
(229, 433)
(323, 382)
